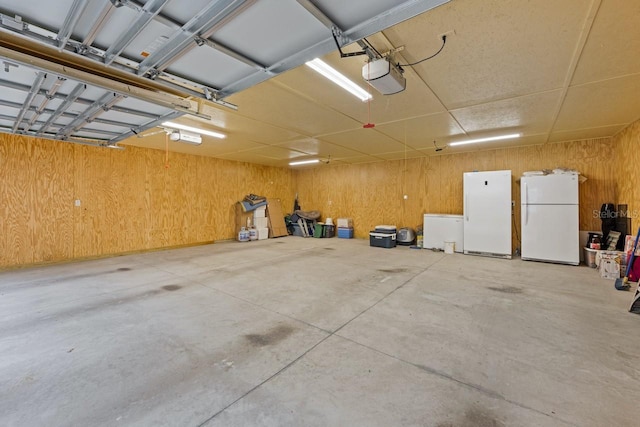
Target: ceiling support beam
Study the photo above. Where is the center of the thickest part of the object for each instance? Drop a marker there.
(337, 31)
(165, 81)
(47, 97)
(200, 27)
(41, 122)
(90, 142)
(70, 99)
(62, 96)
(70, 22)
(175, 25)
(97, 25)
(401, 12)
(103, 104)
(147, 13)
(35, 89)
(98, 131)
(158, 98)
(109, 122)
(136, 130)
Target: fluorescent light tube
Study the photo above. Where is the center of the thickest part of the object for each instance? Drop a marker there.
(339, 79)
(303, 162)
(491, 138)
(196, 130)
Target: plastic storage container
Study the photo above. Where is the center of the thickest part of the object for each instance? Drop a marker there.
(253, 234)
(243, 235)
(345, 233)
(590, 257)
(297, 231)
(329, 230)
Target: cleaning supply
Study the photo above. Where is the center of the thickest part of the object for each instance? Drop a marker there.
(243, 235)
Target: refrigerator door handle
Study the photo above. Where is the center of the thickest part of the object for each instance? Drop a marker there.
(466, 207)
(526, 204)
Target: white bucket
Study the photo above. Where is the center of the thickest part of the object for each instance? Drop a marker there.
(449, 247)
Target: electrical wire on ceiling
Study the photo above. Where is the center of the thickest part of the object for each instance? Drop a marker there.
(444, 41)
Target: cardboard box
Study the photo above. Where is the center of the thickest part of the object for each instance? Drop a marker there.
(261, 212)
(263, 233)
(345, 223)
(260, 222)
(609, 266)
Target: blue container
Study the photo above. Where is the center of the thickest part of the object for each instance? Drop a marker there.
(345, 233)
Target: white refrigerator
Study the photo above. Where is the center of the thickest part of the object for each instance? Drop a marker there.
(550, 218)
(487, 213)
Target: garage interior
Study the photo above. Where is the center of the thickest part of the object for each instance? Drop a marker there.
(127, 299)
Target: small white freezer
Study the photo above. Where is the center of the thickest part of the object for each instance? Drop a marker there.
(440, 228)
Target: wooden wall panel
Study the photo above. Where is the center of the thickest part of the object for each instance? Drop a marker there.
(52, 203)
(130, 188)
(16, 194)
(372, 194)
(224, 194)
(36, 223)
(129, 200)
(201, 199)
(627, 165)
(5, 207)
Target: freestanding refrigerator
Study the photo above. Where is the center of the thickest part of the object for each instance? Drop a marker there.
(549, 211)
(487, 213)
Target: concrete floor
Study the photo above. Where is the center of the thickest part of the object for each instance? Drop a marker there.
(315, 332)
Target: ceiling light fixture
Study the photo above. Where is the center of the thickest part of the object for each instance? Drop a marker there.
(304, 162)
(335, 76)
(491, 138)
(184, 136)
(196, 130)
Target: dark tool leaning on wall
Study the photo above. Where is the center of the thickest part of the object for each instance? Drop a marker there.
(622, 284)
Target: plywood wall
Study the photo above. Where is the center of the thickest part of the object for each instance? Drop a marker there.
(627, 164)
(129, 200)
(372, 193)
(35, 183)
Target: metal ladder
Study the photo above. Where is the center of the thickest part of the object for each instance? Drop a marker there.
(304, 227)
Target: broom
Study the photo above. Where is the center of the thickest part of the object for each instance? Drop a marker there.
(622, 284)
